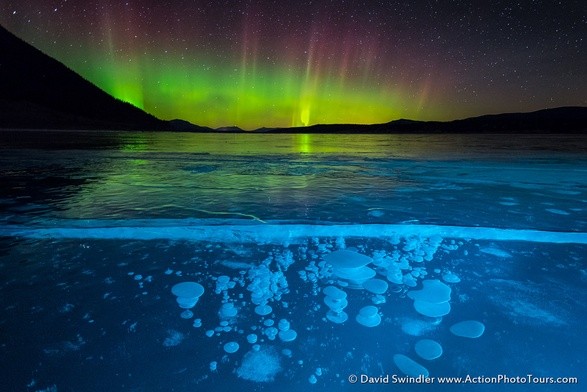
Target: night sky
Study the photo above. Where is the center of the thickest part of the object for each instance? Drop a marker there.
(290, 63)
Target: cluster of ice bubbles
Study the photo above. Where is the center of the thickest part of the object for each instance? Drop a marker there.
(342, 270)
(432, 300)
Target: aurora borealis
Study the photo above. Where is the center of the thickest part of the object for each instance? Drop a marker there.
(291, 63)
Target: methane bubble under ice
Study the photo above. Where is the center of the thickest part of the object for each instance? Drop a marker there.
(231, 347)
(188, 294)
(336, 301)
(432, 299)
(376, 286)
(468, 329)
(350, 266)
(432, 310)
(188, 290)
(287, 336)
(428, 349)
(449, 277)
(409, 367)
(347, 259)
(369, 316)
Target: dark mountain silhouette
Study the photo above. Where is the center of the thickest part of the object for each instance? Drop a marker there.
(179, 125)
(37, 91)
(559, 120)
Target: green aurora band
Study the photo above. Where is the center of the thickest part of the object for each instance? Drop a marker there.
(246, 96)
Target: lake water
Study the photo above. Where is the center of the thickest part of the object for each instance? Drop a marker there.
(322, 258)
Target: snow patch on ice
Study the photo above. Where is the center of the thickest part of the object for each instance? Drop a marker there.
(260, 365)
(174, 338)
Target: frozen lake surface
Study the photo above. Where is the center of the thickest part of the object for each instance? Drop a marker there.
(310, 259)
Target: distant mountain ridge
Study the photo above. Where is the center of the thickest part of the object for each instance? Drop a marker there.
(39, 92)
(570, 119)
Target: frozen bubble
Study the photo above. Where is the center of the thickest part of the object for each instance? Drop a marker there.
(197, 323)
(288, 336)
(334, 292)
(433, 291)
(268, 322)
(252, 338)
(428, 349)
(210, 333)
(283, 325)
(318, 371)
(409, 367)
(222, 283)
(409, 280)
(355, 276)
(231, 347)
(369, 321)
(431, 309)
(186, 302)
(312, 379)
(223, 279)
(271, 332)
(375, 286)
(449, 277)
(337, 318)
(188, 289)
(468, 329)
(347, 259)
(395, 276)
(369, 316)
(213, 366)
(263, 310)
(336, 305)
(368, 311)
(227, 310)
